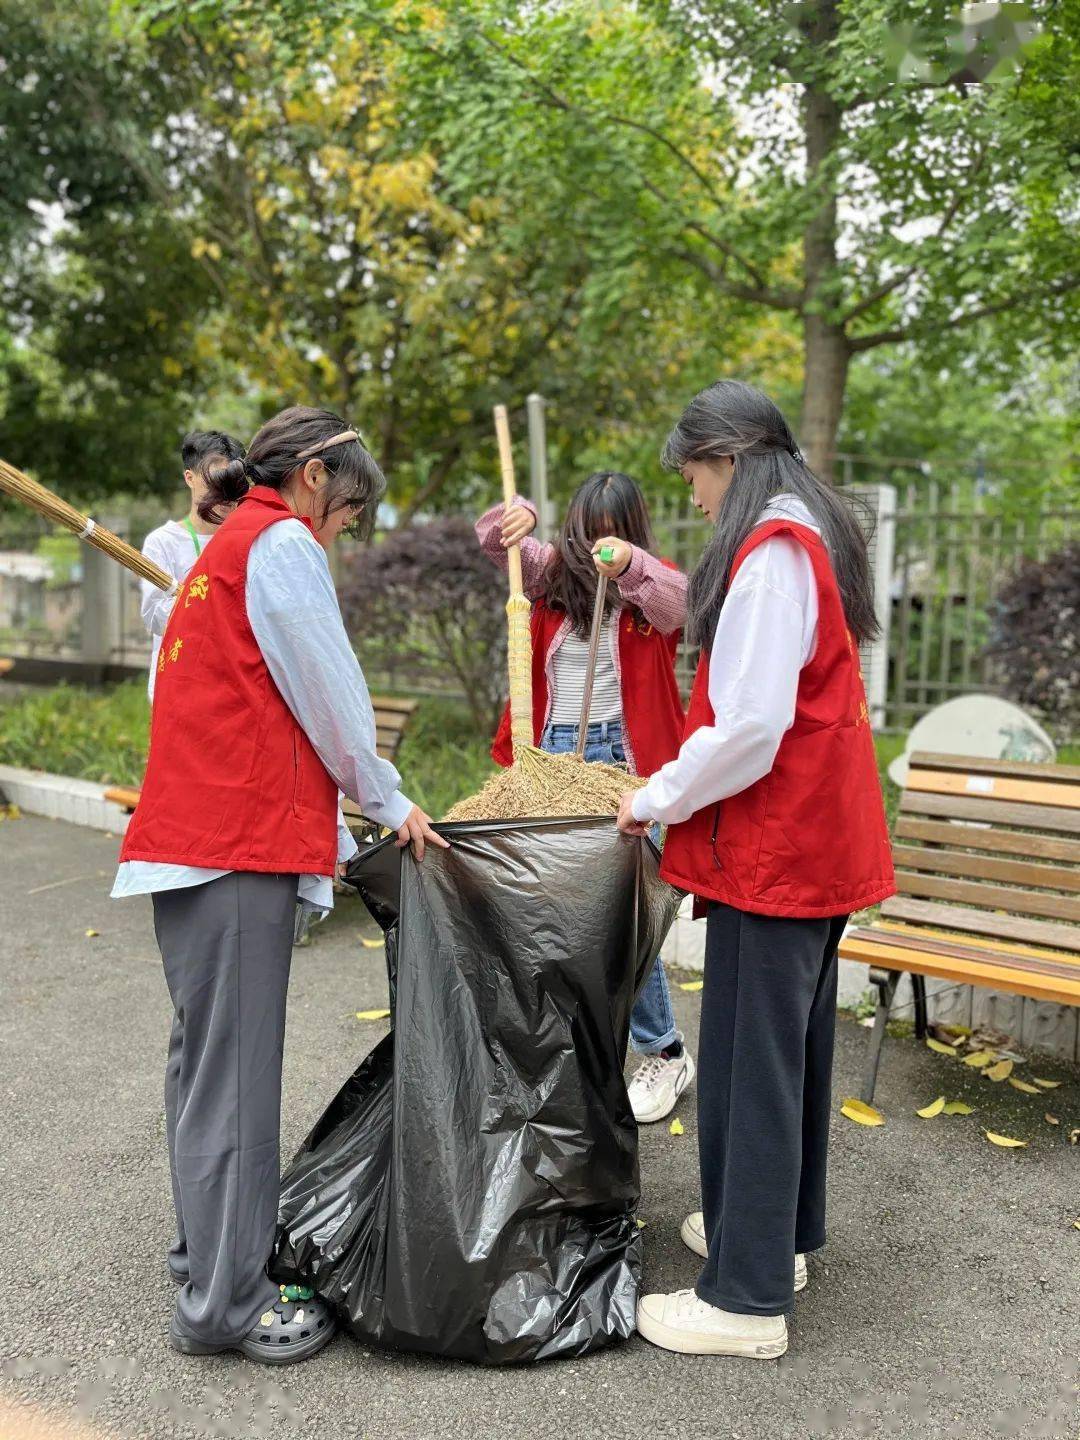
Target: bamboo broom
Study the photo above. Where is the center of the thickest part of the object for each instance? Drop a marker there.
(538, 784)
(518, 609)
(14, 482)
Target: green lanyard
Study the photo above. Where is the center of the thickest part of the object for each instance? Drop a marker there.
(190, 528)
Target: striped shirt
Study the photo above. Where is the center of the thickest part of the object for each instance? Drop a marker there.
(569, 664)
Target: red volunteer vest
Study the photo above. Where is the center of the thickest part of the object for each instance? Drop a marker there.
(652, 706)
(808, 839)
(232, 782)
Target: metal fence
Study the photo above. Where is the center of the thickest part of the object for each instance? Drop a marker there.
(940, 550)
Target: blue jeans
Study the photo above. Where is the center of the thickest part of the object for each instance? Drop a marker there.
(652, 1024)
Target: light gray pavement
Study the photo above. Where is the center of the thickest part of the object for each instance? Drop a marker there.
(945, 1304)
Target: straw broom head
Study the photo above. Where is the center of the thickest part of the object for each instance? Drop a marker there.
(15, 483)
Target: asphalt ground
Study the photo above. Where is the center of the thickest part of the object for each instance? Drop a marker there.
(947, 1302)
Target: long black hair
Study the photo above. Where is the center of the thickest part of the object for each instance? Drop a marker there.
(274, 455)
(730, 418)
(607, 503)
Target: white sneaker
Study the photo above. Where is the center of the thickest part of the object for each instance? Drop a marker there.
(693, 1236)
(657, 1084)
(684, 1323)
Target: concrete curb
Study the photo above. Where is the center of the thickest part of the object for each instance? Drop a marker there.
(79, 802)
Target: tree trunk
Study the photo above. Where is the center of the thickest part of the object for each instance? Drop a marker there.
(825, 357)
(825, 347)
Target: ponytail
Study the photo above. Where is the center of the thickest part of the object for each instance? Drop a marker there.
(283, 446)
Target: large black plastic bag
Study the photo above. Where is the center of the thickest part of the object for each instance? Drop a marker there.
(470, 1191)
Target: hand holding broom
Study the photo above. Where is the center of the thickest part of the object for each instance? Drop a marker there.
(14, 482)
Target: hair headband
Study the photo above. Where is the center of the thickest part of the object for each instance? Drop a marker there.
(326, 444)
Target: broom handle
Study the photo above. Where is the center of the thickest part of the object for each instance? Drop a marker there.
(590, 668)
(15, 483)
(506, 465)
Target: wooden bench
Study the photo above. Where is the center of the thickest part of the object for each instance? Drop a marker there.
(391, 720)
(987, 856)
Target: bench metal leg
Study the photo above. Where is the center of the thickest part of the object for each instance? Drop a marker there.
(886, 982)
(918, 990)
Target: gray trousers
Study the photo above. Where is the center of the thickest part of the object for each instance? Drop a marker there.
(226, 947)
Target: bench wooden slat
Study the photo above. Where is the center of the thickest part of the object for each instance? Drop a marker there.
(963, 947)
(995, 972)
(984, 922)
(978, 942)
(121, 795)
(1025, 769)
(998, 787)
(992, 897)
(975, 837)
(1006, 812)
(985, 867)
(393, 707)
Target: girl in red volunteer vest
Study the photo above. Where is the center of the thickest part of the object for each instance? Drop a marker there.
(777, 824)
(261, 715)
(635, 715)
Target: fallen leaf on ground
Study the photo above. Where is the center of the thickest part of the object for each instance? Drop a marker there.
(861, 1113)
(1046, 1084)
(1074, 1137)
(1001, 1071)
(1076, 1224)
(1024, 1086)
(691, 984)
(676, 1127)
(90, 934)
(1051, 1119)
(641, 1224)
(957, 1107)
(934, 1108)
(940, 1046)
(960, 1031)
(372, 944)
(372, 1014)
(1006, 1141)
(979, 1058)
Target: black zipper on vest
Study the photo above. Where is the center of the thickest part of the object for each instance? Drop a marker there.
(715, 828)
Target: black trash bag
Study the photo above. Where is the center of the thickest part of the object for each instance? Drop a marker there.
(470, 1191)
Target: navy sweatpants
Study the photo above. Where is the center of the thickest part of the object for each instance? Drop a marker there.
(768, 1017)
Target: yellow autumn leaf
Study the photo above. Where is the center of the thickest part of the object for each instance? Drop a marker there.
(691, 984)
(1005, 1141)
(861, 1113)
(1001, 1071)
(939, 1046)
(676, 1127)
(90, 934)
(372, 944)
(372, 1014)
(1051, 1119)
(641, 1224)
(1024, 1086)
(934, 1108)
(979, 1058)
(957, 1107)
(959, 1030)
(1046, 1084)
(1076, 1224)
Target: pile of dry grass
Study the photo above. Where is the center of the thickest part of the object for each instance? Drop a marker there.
(542, 786)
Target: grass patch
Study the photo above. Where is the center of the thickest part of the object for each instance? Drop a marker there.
(102, 735)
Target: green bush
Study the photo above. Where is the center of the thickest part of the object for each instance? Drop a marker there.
(102, 735)
(97, 735)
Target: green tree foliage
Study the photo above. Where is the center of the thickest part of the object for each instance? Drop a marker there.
(869, 171)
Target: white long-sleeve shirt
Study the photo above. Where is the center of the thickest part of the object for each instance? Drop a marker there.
(172, 548)
(765, 635)
(294, 615)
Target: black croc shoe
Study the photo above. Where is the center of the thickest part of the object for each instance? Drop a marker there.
(296, 1326)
